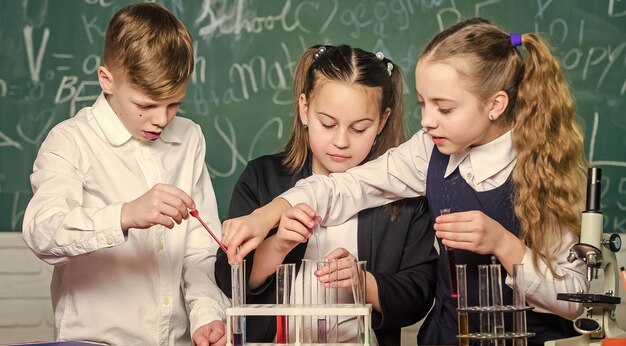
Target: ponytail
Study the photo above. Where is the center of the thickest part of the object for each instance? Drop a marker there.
(550, 170)
(297, 148)
(388, 137)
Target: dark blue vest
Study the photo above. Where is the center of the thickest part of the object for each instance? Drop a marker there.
(440, 327)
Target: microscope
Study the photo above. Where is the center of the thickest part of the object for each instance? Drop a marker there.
(598, 253)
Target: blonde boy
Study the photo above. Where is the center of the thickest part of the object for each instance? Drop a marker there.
(112, 189)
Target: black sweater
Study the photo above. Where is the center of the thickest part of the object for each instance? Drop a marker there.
(400, 253)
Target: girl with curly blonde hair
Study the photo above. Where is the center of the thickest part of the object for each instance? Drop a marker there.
(501, 148)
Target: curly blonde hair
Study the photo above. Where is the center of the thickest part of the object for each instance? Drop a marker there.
(550, 170)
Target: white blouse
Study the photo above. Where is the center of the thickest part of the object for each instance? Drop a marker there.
(401, 173)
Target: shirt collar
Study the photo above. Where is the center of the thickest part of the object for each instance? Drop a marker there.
(486, 160)
(113, 128)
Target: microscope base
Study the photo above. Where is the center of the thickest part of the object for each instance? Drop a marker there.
(581, 340)
(609, 327)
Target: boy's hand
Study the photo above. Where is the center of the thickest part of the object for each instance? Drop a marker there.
(162, 205)
(210, 334)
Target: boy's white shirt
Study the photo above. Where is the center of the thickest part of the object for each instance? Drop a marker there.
(401, 173)
(106, 288)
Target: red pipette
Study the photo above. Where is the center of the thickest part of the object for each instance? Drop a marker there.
(195, 214)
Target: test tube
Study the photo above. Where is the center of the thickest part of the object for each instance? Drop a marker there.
(324, 297)
(285, 275)
(358, 292)
(483, 301)
(238, 290)
(451, 260)
(519, 301)
(320, 299)
(496, 296)
(463, 319)
(332, 298)
(307, 268)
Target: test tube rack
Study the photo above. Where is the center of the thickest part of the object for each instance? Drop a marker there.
(495, 309)
(300, 311)
(492, 310)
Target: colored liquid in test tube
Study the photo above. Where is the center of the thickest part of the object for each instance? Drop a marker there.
(285, 277)
(463, 318)
(321, 330)
(451, 262)
(326, 325)
(237, 339)
(281, 329)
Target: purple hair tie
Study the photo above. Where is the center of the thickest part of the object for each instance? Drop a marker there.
(516, 40)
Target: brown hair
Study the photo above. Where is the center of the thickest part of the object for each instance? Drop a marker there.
(151, 48)
(352, 66)
(550, 170)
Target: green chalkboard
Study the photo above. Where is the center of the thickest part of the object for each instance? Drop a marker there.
(245, 55)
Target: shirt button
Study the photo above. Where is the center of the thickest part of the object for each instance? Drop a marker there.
(109, 240)
(161, 245)
(166, 301)
(469, 175)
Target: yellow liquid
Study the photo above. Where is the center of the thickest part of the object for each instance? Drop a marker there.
(463, 328)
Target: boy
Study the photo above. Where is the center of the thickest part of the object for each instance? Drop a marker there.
(112, 188)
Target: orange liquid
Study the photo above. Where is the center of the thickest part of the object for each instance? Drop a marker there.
(463, 328)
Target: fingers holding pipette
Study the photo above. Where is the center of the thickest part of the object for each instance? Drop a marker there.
(163, 204)
(292, 230)
(239, 236)
(299, 220)
(245, 233)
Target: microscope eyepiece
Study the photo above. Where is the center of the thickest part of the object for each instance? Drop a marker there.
(594, 178)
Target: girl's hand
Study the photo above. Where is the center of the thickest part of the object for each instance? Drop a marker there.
(244, 234)
(293, 228)
(342, 274)
(476, 232)
(471, 230)
(161, 205)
